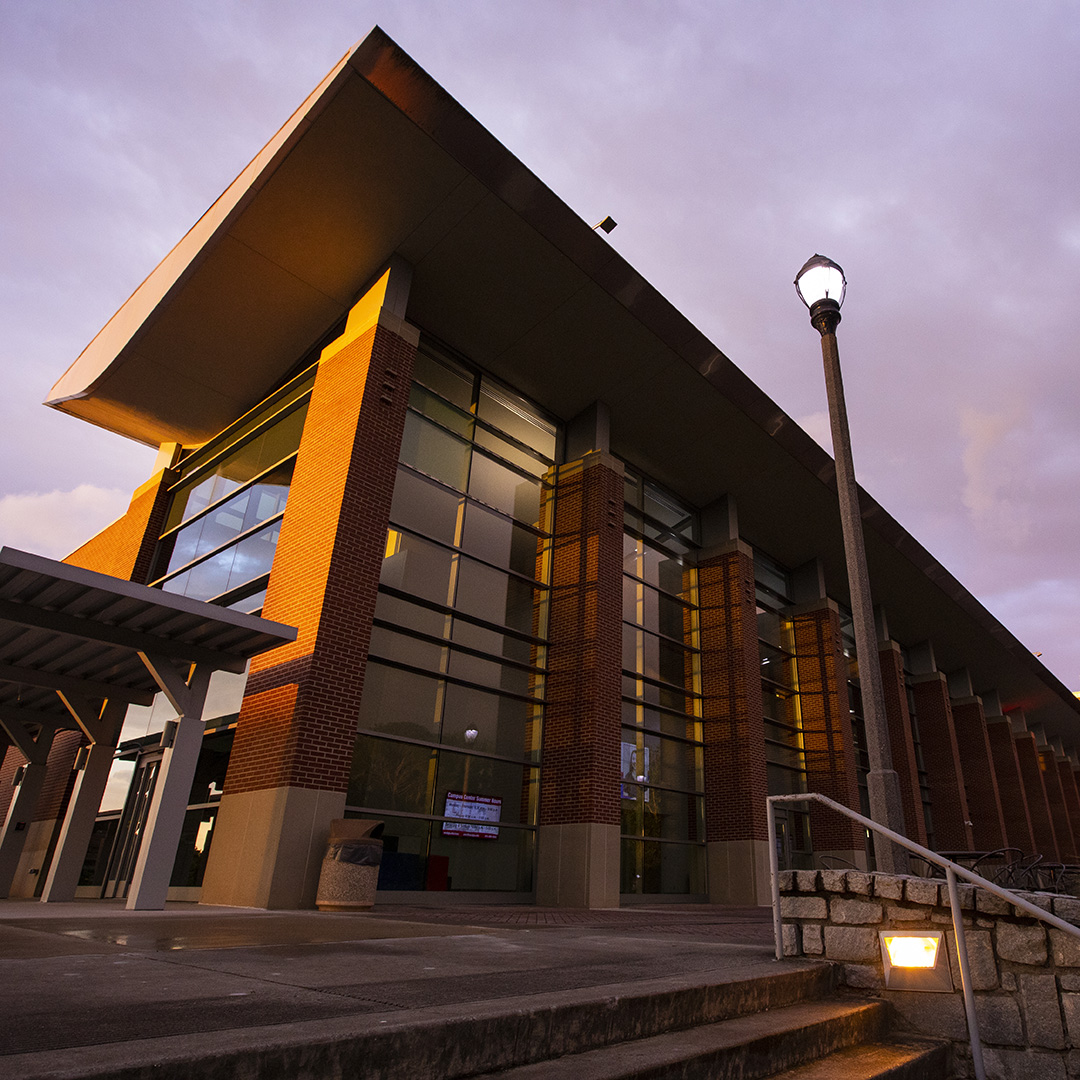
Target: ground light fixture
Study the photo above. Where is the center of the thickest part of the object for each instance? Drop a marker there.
(915, 960)
(821, 286)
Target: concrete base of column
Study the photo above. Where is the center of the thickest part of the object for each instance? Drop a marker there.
(31, 865)
(268, 847)
(578, 866)
(739, 872)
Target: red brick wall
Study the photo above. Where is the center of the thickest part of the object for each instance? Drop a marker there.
(901, 743)
(981, 786)
(59, 778)
(1014, 800)
(1042, 822)
(941, 757)
(126, 548)
(298, 722)
(11, 760)
(826, 718)
(1059, 811)
(732, 720)
(580, 778)
(1072, 806)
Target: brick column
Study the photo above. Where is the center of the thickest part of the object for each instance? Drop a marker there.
(579, 846)
(941, 758)
(900, 740)
(736, 829)
(1042, 822)
(981, 786)
(821, 670)
(290, 763)
(1072, 804)
(1055, 796)
(1014, 801)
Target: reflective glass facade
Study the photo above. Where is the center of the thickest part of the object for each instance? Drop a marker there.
(450, 726)
(662, 787)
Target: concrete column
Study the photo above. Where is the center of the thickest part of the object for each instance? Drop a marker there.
(290, 763)
(21, 809)
(981, 786)
(942, 760)
(1055, 796)
(1014, 801)
(903, 744)
(1042, 821)
(579, 842)
(826, 721)
(1072, 800)
(736, 783)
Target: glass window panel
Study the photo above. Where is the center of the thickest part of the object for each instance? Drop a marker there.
(424, 506)
(502, 780)
(509, 452)
(194, 848)
(655, 868)
(435, 452)
(418, 567)
(491, 641)
(649, 758)
(501, 725)
(461, 423)
(514, 415)
(400, 703)
(499, 540)
(466, 864)
(413, 616)
(446, 378)
(391, 775)
(406, 649)
(496, 597)
(506, 490)
(680, 727)
(491, 673)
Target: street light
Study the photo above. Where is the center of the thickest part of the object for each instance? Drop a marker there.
(821, 287)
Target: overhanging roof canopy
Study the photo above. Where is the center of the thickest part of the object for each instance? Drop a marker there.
(66, 630)
(380, 161)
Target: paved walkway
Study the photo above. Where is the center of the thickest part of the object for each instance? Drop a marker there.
(86, 988)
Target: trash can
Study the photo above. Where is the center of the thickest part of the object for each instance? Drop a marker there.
(350, 868)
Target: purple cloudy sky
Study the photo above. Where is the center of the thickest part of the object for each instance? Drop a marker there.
(932, 149)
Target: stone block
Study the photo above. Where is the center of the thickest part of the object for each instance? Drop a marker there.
(1042, 1013)
(1043, 901)
(1070, 983)
(1008, 982)
(803, 907)
(807, 881)
(939, 1015)
(999, 1020)
(921, 891)
(851, 943)
(889, 886)
(1024, 1065)
(1067, 908)
(1065, 948)
(857, 912)
(895, 913)
(833, 881)
(1020, 943)
(966, 894)
(990, 904)
(863, 976)
(942, 917)
(1072, 1062)
(858, 883)
(813, 942)
(981, 963)
(790, 938)
(786, 881)
(1070, 1006)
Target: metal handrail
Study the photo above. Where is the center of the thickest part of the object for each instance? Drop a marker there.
(952, 870)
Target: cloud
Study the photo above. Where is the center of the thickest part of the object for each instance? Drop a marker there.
(989, 467)
(55, 523)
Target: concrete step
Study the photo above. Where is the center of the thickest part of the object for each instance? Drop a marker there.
(795, 1038)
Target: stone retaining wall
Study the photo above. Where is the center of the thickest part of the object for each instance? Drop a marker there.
(1026, 974)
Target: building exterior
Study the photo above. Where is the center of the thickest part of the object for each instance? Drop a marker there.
(569, 589)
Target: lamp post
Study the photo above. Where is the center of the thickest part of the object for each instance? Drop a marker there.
(821, 286)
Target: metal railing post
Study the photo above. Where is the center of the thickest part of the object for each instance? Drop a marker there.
(965, 975)
(774, 874)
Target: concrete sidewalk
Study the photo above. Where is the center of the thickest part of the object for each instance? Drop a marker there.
(90, 989)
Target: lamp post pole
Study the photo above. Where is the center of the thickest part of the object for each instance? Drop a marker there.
(821, 286)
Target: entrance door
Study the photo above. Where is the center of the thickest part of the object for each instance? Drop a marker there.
(132, 823)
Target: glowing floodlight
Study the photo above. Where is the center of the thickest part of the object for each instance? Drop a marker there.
(915, 960)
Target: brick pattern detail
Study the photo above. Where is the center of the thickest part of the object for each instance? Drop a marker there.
(59, 777)
(736, 784)
(326, 572)
(827, 737)
(981, 786)
(1059, 810)
(580, 777)
(902, 744)
(126, 548)
(10, 761)
(1072, 807)
(941, 757)
(1014, 800)
(1042, 821)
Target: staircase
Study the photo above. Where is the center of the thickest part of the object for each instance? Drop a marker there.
(791, 1026)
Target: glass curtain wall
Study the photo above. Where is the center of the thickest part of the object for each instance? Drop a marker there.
(449, 733)
(785, 754)
(226, 508)
(662, 787)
